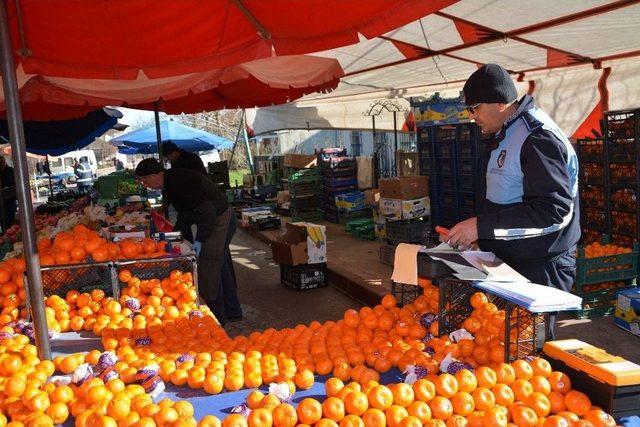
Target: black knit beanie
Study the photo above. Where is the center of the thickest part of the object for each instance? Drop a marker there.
(148, 167)
(489, 84)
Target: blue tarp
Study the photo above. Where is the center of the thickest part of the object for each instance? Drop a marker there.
(59, 137)
(187, 138)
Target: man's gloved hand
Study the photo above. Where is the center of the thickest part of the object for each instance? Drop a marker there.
(197, 247)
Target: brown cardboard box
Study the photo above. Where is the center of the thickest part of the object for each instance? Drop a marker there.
(283, 197)
(404, 188)
(300, 161)
(372, 197)
(300, 243)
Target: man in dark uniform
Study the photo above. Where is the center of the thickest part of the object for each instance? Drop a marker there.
(199, 201)
(182, 159)
(84, 175)
(7, 180)
(527, 200)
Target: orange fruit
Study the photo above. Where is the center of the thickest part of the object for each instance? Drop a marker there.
(309, 411)
(505, 373)
(374, 417)
(446, 385)
(304, 379)
(380, 397)
(209, 421)
(478, 300)
(577, 402)
(333, 409)
(486, 377)
(441, 408)
(424, 390)
(523, 416)
(285, 415)
(521, 389)
(388, 301)
(58, 412)
(466, 380)
(540, 384)
(332, 386)
(260, 417)
(495, 417)
(463, 403)
(420, 410)
(559, 382)
(395, 414)
(522, 369)
(556, 421)
(483, 399)
(403, 394)
(599, 418)
(233, 420)
(356, 403)
(539, 403)
(541, 367)
(503, 395)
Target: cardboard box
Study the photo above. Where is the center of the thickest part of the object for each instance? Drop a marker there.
(349, 202)
(628, 311)
(372, 197)
(117, 233)
(380, 226)
(300, 161)
(404, 188)
(301, 243)
(395, 209)
(247, 213)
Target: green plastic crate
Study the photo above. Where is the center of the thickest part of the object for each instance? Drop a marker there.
(306, 216)
(107, 186)
(359, 223)
(610, 268)
(304, 175)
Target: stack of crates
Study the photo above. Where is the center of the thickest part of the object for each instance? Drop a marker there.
(363, 228)
(219, 173)
(609, 182)
(600, 278)
(304, 190)
(449, 154)
(339, 176)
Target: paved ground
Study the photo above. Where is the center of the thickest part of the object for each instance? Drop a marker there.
(266, 303)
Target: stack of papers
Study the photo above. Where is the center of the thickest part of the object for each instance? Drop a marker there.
(533, 297)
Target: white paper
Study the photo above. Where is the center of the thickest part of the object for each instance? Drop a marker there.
(496, 269)
(534, 297)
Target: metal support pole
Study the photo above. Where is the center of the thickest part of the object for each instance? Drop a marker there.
(246, 142)
(21, 174)
(395, 143)
(156, 115)
(49, 175)
(376, 169)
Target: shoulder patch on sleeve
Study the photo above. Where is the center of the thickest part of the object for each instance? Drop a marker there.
(531, 122)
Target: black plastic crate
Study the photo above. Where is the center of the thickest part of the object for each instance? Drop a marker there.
(466, 183)
(623, 174)
(595, 219)
(467, 149)
(621, 150)
(60, 279)
(265, 223)
(467, 202)
(387, 254)
(467, 132)
(623, 240)
(306, 216)
(304, 189)
(304, 277)
(447, 183)
(527, 330)
(590, 236)
(446, 167)
(405, 293)
(305, 203)
(409, 231)
(592, 174)
(625, 223)
(445, 133)
(426, 166)
(448, 200)
(448, 217)
(593, 196)
(591, 150)
(340, 172)
(337, 162)
(622, 124)
(623, 200)
(467, 166)
(445, 149)
(339, 182)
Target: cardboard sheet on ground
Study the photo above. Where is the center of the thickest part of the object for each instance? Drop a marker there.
(535, 298)
(405, 266)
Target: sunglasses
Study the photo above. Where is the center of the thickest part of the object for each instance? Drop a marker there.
(472, 108)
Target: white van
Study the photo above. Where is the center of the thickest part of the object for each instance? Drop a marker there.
(64, 163)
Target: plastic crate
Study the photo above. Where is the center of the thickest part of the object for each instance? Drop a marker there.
(304, 203)
(426, 166)
(107, 186)
(591, 150)
(467, 132)
(303, 189)
(622, 174)
(467, 166)
(445, 133)
(593, 196)
(622, 124)
(590, 236)
(60, 279)
(339, 182)
(304, 277)
(446, 167)
(448, 200)
(409, 231)
(592, 174)
(621, 150)
(591, 311)
(466, 183)
(303, 175)
(624, 223)
(265, 223)
(527, 330)
(467, 203)
(340, 172)
(305, 216)
(447, 217)
(387, 254)
(467, 149)
(445, 150)
(595, 219)
(447, 183)
(404, 293)
(153, 268)
(607, 268)
(337, 162)
(623, 200)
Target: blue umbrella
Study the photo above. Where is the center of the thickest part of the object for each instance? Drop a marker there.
(185, 137)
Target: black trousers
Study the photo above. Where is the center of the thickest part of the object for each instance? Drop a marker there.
(559, 272)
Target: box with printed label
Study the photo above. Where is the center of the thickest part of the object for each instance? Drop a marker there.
(247, 213)
(405, 209)
(372, 197)
(300, 161)
(628, 311)
(349, 202)
(404, 187)
(301, 243)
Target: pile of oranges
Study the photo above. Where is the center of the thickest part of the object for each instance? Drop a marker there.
(159, 321)
(596, 249)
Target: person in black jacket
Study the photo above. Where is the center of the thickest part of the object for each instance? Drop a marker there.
(527, 202)
(182, 159)
(198, 201)
(7, 180)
